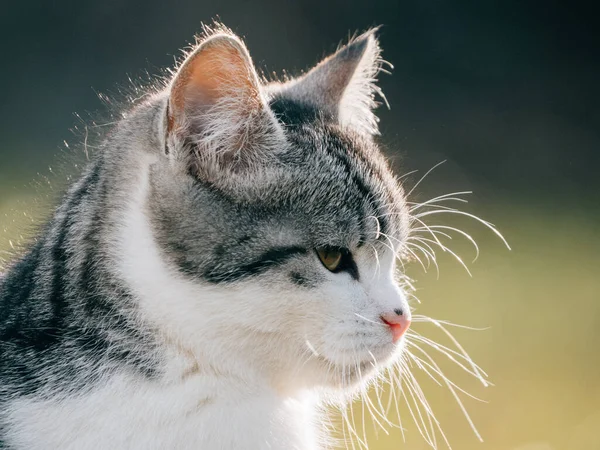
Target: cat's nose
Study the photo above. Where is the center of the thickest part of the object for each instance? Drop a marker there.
(398, 321)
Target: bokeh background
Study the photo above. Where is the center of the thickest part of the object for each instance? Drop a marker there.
(506, 92)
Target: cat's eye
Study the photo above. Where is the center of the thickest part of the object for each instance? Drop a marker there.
(338, 259)
(330, 257)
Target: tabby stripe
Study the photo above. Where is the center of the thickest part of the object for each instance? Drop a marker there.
(59, 255)
(267, 260)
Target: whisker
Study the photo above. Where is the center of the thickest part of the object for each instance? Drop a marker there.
(424, 176)
(419, 318)
(406, 174)
(431, 227)
(476, 371)
(462, 233)
(378, 226)
(419, 424)
(416, 258)
(487, 224)
(378, 265)
(446, 249)
(362, 403)
(458, 400)
(445, 197)
(431, 416)
(421, 364)
(420, 245)
(392, 379)
(458, 346)
(430, 255)
(373, 411)
(428, 228)
(381, 412)
(311, 348)
(419, 248)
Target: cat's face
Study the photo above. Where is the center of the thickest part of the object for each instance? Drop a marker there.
(276, 202)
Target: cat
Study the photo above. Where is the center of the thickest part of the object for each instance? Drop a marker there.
(226, 263)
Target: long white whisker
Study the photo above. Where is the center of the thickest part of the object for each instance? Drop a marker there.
(490, 226)
(424, 176)
(431, 227)
(392, 380)
(450, 354)
(419, 364)
(430, 413)
(406, 174)
(378, 226)
(462, 233)
(410, 410)
(419, 318)
(446, 249)
(378, 265)
(373, 411)
(430, 255)
(352, 425)
(362, 403)
(419, 423)
(407, 248)
(458, 400)
(428, 228)
(458, 346)
(420, 248)
(420, 361)
(445, 197)
(380, 411)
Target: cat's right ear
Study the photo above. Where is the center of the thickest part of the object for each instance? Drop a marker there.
(217, 112)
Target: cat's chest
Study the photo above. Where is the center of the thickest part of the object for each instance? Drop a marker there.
(135, 415)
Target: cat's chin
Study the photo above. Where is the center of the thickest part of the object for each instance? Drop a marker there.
(348, 378)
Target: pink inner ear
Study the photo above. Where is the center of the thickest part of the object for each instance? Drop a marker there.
(218, 69)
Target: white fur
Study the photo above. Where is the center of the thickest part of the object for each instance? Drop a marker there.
(129, 413)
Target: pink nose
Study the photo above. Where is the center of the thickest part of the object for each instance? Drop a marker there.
(398, 323)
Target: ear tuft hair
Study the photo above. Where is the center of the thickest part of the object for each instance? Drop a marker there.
(358, 101)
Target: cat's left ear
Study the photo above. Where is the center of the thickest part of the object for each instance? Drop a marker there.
(343, 85)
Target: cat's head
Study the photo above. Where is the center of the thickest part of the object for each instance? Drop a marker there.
(275, 201)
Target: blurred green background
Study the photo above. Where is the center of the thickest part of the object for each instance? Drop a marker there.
(507, 92)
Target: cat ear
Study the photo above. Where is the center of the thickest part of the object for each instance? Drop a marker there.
(343, 85)
(216, 104)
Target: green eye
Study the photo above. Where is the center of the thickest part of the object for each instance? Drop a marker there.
(330, 257)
